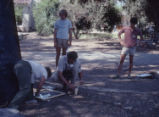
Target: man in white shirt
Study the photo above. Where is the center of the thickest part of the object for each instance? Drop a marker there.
(68, 70)
(27, 72)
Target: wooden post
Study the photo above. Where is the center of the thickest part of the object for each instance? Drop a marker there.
(9, 51)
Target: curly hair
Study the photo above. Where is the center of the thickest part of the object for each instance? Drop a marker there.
(63, 12)
(72, 55)
(133, 20)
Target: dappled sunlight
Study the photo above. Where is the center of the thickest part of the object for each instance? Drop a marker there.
(95, 84)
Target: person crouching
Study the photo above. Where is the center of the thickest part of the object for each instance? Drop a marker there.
(68, 69)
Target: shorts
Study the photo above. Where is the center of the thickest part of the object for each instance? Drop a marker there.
(62, 43)
(23, 72)
(130, 51)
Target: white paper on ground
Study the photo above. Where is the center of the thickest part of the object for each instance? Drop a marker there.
(144, 75)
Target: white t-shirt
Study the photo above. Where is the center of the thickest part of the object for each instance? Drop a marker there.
(38, 71)
(62, 66)
(62, 27)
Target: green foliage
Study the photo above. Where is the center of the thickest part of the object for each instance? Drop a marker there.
(18, 14)
(111, 17)
(152, 12)
(83, 24)
(136, 8)
(45, 15)
(92, 14)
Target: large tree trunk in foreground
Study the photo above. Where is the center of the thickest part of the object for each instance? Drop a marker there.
(9, 51)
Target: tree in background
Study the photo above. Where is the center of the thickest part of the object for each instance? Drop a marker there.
(18, 13)
(9, 51)
(136, 8)
(92, 14)
(152, 12)
(147, 13)
(45, 14)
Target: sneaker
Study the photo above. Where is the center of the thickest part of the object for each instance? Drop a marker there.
(129, 76)
(117, 76)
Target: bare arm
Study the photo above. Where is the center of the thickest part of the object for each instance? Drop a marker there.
(80, 75)
(55, 39)
(119, 36)
(70, 36)
(120, 33)
(65, 81)
(42, 81)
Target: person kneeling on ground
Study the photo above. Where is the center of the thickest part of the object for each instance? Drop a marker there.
(68, 69)
(27, 72)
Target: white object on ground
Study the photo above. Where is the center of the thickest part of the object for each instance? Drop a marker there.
(10, 112)
(48, 88)
(144, 75)
(44, 97)
(76, 91)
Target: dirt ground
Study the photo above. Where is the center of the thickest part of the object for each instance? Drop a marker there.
(102, 95)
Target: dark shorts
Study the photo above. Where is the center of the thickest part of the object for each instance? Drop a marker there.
(23, 73)
(62, 43)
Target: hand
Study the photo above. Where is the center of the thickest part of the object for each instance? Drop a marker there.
(71, 86)
(121, 42)
(69, 43)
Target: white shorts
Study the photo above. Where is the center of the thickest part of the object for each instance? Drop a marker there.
(130, 51)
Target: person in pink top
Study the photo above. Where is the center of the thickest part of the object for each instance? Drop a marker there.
(129, 43)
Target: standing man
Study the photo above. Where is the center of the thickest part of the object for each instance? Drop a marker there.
(129, 44)
(69, 68)
(62, 34)
(27, 72)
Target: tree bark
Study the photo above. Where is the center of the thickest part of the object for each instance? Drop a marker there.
(9, 51)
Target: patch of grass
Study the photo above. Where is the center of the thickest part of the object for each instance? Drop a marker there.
(103, 35)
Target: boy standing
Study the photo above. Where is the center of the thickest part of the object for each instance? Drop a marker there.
(129, 44)
(62, 34)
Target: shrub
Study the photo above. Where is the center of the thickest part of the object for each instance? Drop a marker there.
(110, 18)
(18, 13)
(45, 15)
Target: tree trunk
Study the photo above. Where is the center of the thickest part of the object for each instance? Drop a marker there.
(9, 51)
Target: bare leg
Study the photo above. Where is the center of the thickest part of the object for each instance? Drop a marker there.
(122, 58)
(58, 51)
(64, 51)
(131, 57)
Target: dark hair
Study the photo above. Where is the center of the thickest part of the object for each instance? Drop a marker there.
(48, 71)
(133, 20)
(72, 55)
(63, 11)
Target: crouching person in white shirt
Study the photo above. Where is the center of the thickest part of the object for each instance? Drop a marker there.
(69, 68)
(27, 72)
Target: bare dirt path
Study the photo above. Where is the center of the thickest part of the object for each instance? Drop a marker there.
(99, 58)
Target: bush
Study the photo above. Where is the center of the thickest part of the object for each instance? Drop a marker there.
(110, 18)
(18, 14)
(45, 15)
